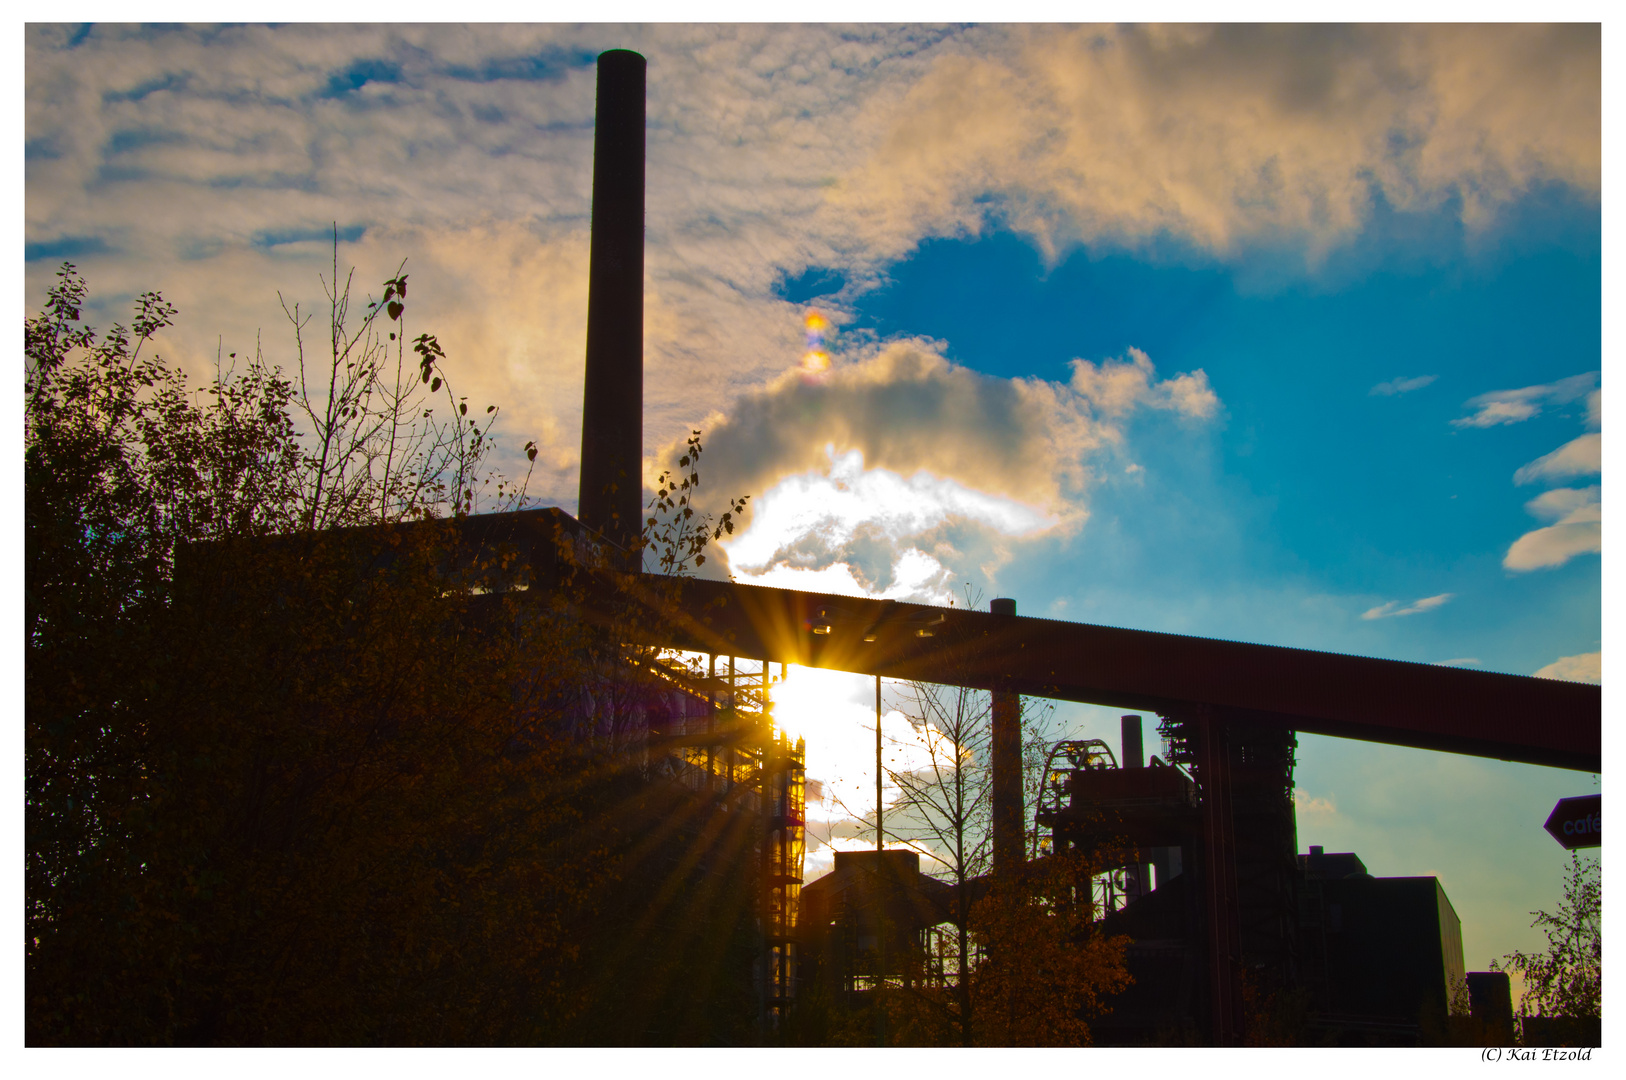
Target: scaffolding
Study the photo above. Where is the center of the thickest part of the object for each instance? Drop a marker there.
(730, 751)
(782, 864)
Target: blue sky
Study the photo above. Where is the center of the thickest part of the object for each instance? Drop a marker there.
(1315, 500)
(1310, 482)
(1289, 335)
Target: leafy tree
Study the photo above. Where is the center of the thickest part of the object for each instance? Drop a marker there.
(1021, 964)
(375, 447)
(1043, 968)
(288, 781)
(264, 776)
(1567, 979)
(673, 532)
(945, 809)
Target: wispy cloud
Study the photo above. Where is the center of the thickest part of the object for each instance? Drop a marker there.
(1458, 661)
(1393, 609)
(1512, 406)
(1221, 135)
(1584, 667)
(1401, 386)
(1577, 529)
(1115, 387)
(1311, 805)
(169, 157)
(1580, 456)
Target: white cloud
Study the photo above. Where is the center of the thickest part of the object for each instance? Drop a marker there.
(1223, 136)
(1580, 456)
(1577, 529)
(1113, 388)
(846, 497)
(209, 162)
(1513, 406)
(1562, 504)
(894, 473)
(906, 409)
(1576, 514)
(911, 574)
(1308, 805)
(848, 530)
(1585, 667)
(1393, 609)
(1401, 386)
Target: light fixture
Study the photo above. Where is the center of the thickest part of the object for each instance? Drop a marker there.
(925, 622)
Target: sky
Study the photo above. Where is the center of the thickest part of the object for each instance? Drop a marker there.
(1289, 335)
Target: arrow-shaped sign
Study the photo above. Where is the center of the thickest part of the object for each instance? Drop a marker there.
(1577, 822)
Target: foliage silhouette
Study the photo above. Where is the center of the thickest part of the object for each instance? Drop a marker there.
(1567, 979)
(1019, 963)
(294, 781)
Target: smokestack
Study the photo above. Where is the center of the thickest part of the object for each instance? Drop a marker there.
(610, 499)
(1134, 757)
(1139, 878)
(1007, 768)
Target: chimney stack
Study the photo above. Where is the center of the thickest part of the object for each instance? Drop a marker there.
(1139, 878)
(1134, 756)
(610, 499)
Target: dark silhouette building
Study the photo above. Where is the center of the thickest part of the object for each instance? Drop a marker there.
(861, 920)
(1321, 951)
(1383, 955)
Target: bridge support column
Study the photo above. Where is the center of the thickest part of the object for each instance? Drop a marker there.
(1219, 878)
(1006, 765)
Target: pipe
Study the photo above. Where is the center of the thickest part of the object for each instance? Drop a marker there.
(1219, 879)
(880, 805)
(610, 498)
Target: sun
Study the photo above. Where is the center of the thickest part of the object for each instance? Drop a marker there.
(834, 713)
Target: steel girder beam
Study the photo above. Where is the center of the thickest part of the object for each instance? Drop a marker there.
(1486, 714)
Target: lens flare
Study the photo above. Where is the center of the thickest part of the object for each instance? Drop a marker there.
(815, 361)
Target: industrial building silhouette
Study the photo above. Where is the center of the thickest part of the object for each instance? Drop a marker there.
(1220, 906)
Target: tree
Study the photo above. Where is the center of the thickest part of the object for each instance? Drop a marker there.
(944, 809)
(1567, 979)
(265, 777)
(1043, 968)
(1023, 965)
(289, 781)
